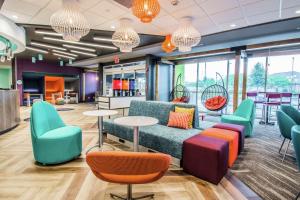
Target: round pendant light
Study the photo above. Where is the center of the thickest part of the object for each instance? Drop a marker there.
(125, 37)
(167, 45)
(69, 21)
(145, 10)
(186, 36)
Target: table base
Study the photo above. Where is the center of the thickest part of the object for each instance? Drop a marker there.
(267, 123)
(112, 148)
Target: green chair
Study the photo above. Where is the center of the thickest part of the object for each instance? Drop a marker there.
(291, 112)
(296, 142)
(244, 115)
(285, 123)
(53, 142)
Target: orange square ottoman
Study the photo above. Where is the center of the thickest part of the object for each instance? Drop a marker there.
(231, 137)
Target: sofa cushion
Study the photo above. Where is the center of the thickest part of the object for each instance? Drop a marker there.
(165, 139)
(108, 125)
(159, 110)
(59, 133)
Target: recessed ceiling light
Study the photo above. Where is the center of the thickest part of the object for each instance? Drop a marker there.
(15, 16)
(84, 53)
(81, 43)
(112, 27)
(232, 25)
(80, 48)
(63, 52)
(105, 39)
(37, 50)
(47, 46)
(45, 32)
(297, 12)
(63, 56)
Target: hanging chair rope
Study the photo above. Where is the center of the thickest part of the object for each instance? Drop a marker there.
(215, 97)
(180, 93)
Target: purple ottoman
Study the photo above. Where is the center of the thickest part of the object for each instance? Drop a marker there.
(233, 127)
(205, 157)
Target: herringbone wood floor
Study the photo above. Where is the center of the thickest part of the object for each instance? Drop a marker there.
(22, 178)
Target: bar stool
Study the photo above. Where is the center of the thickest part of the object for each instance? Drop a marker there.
(272, 100)
(286, 98)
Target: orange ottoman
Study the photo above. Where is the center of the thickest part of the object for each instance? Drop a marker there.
(231, 137)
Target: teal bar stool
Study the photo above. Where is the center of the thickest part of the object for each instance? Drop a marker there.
(296, 142)
(53, 142)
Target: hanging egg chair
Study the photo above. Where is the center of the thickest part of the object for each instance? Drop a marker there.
(215, 97)
(180, 93)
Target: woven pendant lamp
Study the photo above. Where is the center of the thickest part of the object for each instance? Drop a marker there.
(145, 10)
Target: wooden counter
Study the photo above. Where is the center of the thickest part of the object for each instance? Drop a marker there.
(9, 110)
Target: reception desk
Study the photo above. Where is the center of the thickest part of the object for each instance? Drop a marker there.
(9, 110)
(121, 104)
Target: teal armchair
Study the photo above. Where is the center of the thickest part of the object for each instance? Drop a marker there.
(287, 118)
(291, 112)
(285, 124)
(244, 115)
(53, 142)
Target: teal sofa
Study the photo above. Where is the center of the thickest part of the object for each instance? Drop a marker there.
(244, 115)
(53, 142)
(158, 137)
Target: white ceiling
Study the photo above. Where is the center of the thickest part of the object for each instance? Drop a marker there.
(210, 16)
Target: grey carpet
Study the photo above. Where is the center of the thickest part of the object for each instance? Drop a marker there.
(260, 167)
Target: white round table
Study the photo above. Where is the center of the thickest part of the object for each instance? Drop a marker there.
(136, 122)
(100, 114)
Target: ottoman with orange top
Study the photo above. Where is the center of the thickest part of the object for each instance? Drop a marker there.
(205, 157)
(231, 137)
(234, 127)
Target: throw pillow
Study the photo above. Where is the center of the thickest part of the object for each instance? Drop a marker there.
(190, 111)
(179, 120)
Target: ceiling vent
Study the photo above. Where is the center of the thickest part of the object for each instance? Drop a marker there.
(126, 3)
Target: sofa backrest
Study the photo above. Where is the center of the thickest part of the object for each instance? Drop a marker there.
(291, 112)
(159, 110)
(246, 109)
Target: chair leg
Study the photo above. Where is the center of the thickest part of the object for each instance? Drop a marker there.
(298, 196)
(282, 145)
(286, 151)
(117, 197)
(129, 195)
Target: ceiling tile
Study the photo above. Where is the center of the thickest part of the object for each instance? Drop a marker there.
(165, 21)
(94, 19)
(260, 7)
(166, 4)
(40, 3)
(21, 7)
(291, 3)
(215, 6)
(244, 2)
(227, 16)
(84, 4)
(262, 18)
(42, 17)
(109, 9)
(205, 26)
(239, 24)
(20, 17)
(193, 11)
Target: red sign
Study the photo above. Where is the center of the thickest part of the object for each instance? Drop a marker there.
(116, 59)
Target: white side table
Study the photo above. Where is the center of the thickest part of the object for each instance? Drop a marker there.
(100, 114)
(136, 122)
